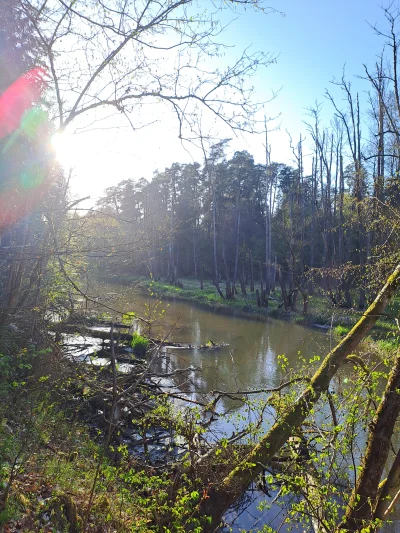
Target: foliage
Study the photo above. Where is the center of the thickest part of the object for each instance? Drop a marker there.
(139, 344)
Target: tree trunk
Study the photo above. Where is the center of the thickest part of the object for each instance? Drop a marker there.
(195, 257)
(216, 284)
(305, 297)
(242, 282)
(390, 491)
(362, 502)
(235, 272)
(251, 271)
(258, 298)
(214, 224)
(313, 205)
(268, 212)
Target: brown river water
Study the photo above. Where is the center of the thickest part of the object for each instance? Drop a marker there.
(251, 358)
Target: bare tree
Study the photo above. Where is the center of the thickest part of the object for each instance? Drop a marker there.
(351, 121)
(119, 56)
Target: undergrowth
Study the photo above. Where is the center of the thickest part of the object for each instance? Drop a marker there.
(139, 344)
(49, 458)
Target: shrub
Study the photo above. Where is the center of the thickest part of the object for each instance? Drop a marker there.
(342, 330)
(139, 344)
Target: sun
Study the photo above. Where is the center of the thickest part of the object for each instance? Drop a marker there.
(70, 150)
(63, 146)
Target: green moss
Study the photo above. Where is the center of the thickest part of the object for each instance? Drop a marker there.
(341, 331)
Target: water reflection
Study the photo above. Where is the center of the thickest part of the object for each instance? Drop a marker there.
(250, 361)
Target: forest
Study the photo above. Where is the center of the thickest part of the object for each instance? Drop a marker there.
(104, 426)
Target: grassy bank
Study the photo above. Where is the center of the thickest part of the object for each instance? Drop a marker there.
(320, 311)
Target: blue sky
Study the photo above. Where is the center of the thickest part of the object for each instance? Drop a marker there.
(312, 40)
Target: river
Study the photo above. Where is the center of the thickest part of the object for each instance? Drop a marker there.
(250, 361)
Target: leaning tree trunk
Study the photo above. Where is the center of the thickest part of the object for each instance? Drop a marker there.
(389, 494)
(220, 498)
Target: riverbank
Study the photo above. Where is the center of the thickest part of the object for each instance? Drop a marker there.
(321, 313)
(86, 448)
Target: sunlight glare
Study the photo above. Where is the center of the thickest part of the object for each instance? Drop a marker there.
(63, 146)
(71, 150)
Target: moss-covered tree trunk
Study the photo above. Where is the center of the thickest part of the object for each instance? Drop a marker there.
(221, 497)
(390, 491)
(361, 505)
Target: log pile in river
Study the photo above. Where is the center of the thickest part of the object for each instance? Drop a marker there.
(102, 332)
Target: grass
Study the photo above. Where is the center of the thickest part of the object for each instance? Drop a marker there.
(209, 296)
(55, 470)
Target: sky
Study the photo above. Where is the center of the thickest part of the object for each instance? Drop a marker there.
(313, 40)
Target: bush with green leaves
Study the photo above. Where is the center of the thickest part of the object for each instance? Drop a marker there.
(139, 344)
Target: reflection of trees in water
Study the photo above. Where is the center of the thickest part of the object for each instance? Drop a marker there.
(191, 383)
(249, 362)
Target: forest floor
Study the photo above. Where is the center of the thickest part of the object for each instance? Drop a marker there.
(321, 312)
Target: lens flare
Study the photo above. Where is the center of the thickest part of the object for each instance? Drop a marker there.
(20, 97)
(34, 122)
(31, 178)
(24, 126)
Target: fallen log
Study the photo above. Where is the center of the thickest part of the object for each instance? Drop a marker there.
(208, 346)
(120, 358)
(97, 332)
